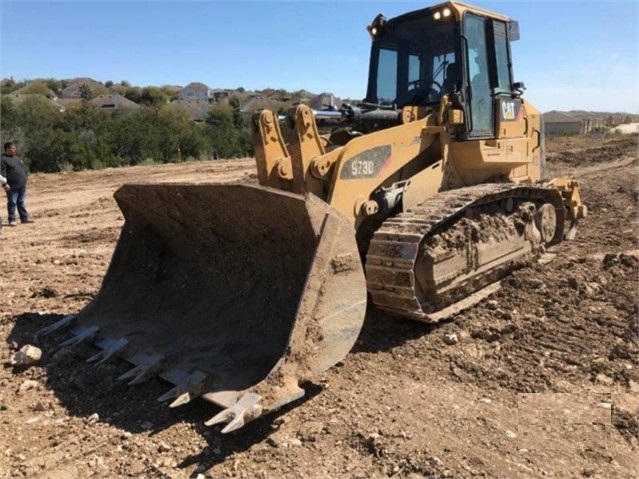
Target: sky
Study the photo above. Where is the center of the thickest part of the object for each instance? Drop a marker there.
(572, 55)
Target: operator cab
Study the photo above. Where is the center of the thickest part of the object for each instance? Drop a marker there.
(452, 49)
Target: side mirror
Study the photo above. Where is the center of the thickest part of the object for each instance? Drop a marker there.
(519, 87)
(513, 30)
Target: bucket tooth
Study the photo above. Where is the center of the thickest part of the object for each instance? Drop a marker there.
(80, 334)
(572, 232)
(187, 390)
(110, 348)
(223, 416)
(296, 394)
(224, 399)
(151, 365)
(243, 411)
(65, 322)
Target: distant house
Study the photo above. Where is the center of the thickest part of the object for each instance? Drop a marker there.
(556, 122)
(197, 91)
(325, 101)
(258, 102)
(197, 110)
(114, 102)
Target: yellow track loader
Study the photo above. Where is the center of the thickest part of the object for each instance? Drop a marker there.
(418, 200)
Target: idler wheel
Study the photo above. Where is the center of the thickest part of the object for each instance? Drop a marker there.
(546, 222)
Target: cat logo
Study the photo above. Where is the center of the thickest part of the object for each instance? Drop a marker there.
(508, 110)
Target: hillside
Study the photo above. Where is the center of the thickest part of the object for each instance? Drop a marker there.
(267, 97)
(71, 88)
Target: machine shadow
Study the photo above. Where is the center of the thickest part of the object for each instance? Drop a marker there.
(383, 332)
(84, 389)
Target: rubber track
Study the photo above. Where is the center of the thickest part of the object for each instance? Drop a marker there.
(392, 254)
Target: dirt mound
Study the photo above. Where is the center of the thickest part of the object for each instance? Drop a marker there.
(579, 328)
(617, 147)
(538, 380)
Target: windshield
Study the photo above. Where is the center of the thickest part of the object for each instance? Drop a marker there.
(413, 62)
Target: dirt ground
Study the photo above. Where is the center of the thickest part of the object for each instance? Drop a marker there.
(542, 382)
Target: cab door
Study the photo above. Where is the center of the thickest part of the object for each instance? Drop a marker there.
(480, 98)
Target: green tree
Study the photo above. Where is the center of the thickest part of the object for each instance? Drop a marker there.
(153, 96)
(36, 112)
(37, 88)
(119, 89)
(54, 85)
(83, 116)
(134, 94)
(10, 129)
(85, 136)
(171, 92)
(53, 150)
(42, 151)
(226, 138)
(9, 85)
(86, 92)
(9, 113)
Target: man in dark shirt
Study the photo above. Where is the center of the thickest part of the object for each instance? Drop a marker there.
(5, 186)
(15, 171)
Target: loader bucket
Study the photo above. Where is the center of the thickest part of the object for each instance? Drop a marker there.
(233, 292)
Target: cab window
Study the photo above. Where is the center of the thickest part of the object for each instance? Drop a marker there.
(387, 76)
(481, 98)
(503, 84)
